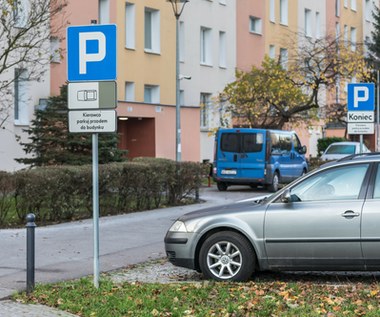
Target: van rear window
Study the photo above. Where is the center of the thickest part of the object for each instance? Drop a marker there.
(242, 142)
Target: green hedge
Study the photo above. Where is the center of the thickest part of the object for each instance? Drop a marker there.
(56, 194)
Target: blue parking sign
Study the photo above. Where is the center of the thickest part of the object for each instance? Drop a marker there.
(361, 97)
(91, 53)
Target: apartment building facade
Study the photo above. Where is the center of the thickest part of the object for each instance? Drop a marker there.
(24, 79)
(215, 38)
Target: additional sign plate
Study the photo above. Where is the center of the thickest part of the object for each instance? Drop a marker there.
(91, 52)
(92, 95)
(361, 116)
(360, 128)
(92, 121)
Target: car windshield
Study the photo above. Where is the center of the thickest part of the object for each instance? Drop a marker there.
(341, 149)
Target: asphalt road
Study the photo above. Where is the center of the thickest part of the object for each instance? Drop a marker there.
(65, 251)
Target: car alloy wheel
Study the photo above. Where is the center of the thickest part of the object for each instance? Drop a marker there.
(227, 256)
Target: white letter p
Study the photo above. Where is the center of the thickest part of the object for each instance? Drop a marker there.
(91, 57)
(358, 99)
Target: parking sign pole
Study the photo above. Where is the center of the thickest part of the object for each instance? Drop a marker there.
(95, 200)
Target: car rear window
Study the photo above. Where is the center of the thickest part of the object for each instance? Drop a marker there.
(341, 149)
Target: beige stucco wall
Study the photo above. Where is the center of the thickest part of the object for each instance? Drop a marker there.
(282, 36)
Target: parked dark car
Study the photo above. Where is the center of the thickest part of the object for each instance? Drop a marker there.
(326, 220)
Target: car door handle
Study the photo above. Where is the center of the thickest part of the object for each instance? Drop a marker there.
(349, 214)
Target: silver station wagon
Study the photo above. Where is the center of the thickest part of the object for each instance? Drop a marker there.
(328, 219)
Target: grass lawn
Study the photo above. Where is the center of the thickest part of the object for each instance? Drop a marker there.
(267, 295)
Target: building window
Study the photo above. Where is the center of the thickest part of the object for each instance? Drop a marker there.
(337, 30)
(21, 12)
(284, 12)
(222, 49)
(255, 25)
(345, 35)
(317, 25)
(152, 30)
(181, 40)
(130, 22)
(345, 3)
(205, 46)
(272, 51)
(151, 94)
(353, 5)
(129, 91)
(284, 58)
(337, 8)
(368, 10)
(55, 52)
(21, 96)
(272, 16)
(104, 11)
(205, 103)
(308, 22)
(353, 39)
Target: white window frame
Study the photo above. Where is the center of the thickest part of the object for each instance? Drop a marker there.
(284, 12)
(152, 31)
(272, 12)
(337, 8)
(222, 49)
(104, 11)
(205, 102)
(130, 26)
(205, 46)
(152, 94)
(353, 5)
(337, 30)
(284, 57)
(345, 3)
(345, 34)
(308, 22)
(129, 91)
(368, 10)
(272, 51)
(21, 97)
(21, 13)
(317, 25)
(55, 51)
(255, 25)
(353, 35)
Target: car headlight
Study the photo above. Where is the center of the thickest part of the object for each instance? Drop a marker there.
(178, 226)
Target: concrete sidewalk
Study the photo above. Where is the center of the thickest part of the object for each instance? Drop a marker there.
(64, 251)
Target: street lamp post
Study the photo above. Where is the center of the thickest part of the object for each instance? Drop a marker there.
(178, 6)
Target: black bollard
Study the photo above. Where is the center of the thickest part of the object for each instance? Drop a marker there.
(30, 254)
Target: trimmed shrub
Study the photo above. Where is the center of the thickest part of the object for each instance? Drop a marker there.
(62, 193)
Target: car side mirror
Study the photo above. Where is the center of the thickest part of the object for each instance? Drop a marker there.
(286, 197)
(302, 149)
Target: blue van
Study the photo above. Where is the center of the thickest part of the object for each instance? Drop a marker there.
(257, 157)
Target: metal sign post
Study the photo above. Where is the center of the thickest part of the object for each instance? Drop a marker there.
(95, 203)
(91, 70)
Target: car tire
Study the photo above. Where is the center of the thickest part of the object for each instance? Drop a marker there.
(227, 256)
(273, 187)
(222, 186)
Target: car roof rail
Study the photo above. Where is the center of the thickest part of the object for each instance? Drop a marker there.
(354, 156)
